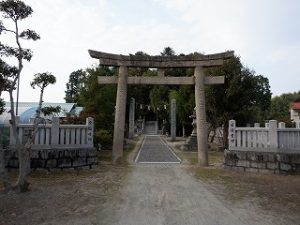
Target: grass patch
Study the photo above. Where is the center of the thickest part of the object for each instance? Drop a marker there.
(191, 158)
(269, 191)
(105, 156)
(41, 175)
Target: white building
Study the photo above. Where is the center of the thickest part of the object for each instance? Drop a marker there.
(295, 112)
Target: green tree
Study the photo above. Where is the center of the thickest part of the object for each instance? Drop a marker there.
(6, 73)
(16, 11)
(42, 80)
(99, 102)
(50, 110)
(75, 83)
(168, 51)
(244, 97)
(280, 106)
(185, 103)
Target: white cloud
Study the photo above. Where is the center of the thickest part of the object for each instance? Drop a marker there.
(70, 27)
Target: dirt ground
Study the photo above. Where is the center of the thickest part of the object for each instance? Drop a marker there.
(154, 194)
(271, 193)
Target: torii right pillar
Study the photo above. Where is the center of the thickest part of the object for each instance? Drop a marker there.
(201, 116)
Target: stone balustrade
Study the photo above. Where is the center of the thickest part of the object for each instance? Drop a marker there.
(271, 138)
(272, 148)
(56, 145)
(56, 135)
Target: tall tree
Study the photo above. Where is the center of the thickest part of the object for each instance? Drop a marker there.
(244, 97)
(6, 73)
(159, 98)
(168, 51)
(76, 81)
(41, 80)
(99, 101)
(16, 11)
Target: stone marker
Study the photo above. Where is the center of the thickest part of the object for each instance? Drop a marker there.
(131, 118)
(173, 120)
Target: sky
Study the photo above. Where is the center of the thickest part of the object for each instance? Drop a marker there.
(264, 33)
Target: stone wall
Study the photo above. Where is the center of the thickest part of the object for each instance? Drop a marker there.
(262, 162)
(55, 158)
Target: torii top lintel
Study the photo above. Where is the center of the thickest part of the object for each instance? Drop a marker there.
(109, 59)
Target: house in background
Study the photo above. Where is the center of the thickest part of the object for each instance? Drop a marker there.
(295, 112)
(27, 110)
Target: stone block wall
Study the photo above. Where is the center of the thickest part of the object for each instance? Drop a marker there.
(55, 158)
(264, 162)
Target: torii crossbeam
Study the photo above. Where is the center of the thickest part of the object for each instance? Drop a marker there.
(161, 62)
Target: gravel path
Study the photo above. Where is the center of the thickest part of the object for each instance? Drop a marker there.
(166, 195)
(137, 194)
(154, 150)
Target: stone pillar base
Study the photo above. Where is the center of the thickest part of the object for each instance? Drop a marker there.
(190, 144)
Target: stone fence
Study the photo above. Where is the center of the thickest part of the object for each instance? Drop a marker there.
(272, 148)
(271, 138)
(56, 145)
(56, 135)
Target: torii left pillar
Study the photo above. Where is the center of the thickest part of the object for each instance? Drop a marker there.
(118, 140)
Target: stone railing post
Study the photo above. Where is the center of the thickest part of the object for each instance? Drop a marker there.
(90, 131)
(297, 124)
(273, 134)
(281, 125)
(143, 125)
(55, 131)
(231, 134)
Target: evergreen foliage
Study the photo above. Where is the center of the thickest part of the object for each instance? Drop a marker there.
(245, 96)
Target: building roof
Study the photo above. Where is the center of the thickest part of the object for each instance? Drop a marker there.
(27, 110)
(296, 106)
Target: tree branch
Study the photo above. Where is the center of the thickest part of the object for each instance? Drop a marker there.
(7, 30)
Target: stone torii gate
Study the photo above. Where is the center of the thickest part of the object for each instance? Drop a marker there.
(199, 80)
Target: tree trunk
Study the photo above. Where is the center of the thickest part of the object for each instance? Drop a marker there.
(23, 155)
(22, 185)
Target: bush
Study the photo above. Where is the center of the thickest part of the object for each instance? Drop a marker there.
(104, 138)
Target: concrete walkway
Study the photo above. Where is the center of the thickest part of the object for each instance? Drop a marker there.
(155, 150)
